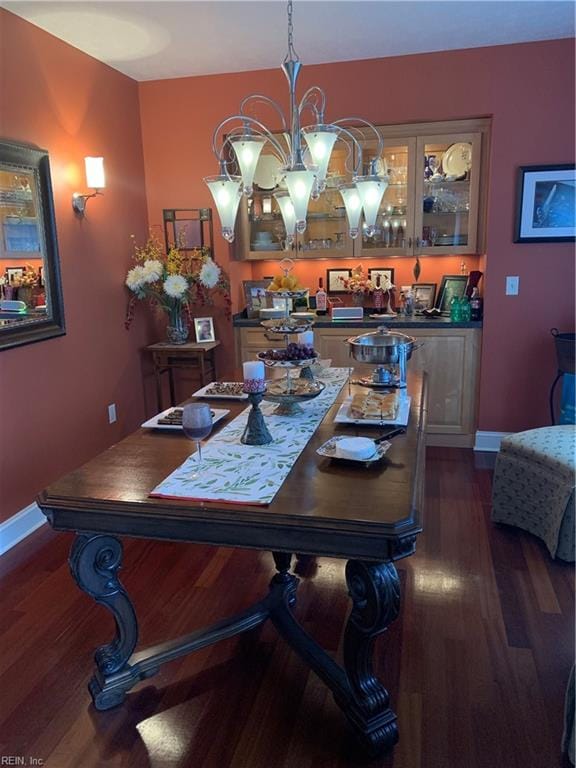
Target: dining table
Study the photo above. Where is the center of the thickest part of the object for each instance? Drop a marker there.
(368, 514)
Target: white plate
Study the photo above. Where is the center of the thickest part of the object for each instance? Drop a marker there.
(342, 417)
(267, 172)
(205, 392)
(328, 450)
(152, 423)
(457, 159)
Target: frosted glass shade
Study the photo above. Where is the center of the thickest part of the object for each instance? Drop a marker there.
(371, 190)
(226, 192)
(320, 140)
(299, 185)
(95, 176)
(353, 206)
(288, 213)
(247, 150)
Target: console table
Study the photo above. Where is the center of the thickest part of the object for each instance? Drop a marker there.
(369, 516)
(166, 357)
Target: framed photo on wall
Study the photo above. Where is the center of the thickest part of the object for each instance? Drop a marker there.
(373, 273)
(255, 295)
(424, 295)
(451, 286)
(14, 273)
(204, 329)
(333, 282)
(546, 205)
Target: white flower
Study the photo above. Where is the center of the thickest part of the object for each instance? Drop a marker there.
(152, 270)
(175, 286)
(135, 278)
(209, 274)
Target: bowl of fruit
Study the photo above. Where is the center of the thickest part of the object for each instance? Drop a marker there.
(286, 286)
(292, 356)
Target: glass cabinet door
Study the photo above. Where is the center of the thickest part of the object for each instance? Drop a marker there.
(326, 233)
(395, 222)
(447, 188)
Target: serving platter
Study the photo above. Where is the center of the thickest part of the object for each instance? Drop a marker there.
(343, 415)
(207, 391)
(457, 159)
(153, 423)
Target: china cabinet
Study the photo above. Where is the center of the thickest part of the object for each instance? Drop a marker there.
(434, 204)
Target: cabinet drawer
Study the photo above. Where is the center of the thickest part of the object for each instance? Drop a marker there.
(258, 337)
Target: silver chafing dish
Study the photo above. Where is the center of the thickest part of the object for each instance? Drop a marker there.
(388, 350)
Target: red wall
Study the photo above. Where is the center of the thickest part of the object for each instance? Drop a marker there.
(528, 89)
(54, 394)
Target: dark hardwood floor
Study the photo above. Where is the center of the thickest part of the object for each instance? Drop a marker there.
(476, 664)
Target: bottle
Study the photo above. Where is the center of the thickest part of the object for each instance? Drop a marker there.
(476, 305)
(321, 299)
(378, 296)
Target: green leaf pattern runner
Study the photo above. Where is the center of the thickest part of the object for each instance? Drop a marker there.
(252, 474)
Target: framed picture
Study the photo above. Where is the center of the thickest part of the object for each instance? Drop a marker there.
(373, 273)
(451, 285)
(546, 205)
(424, 295)
(255, 295)
(14, 273)
(334, 283)
(204, 329)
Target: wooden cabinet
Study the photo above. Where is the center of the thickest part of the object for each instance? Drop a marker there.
(450, 356)
(435, 201)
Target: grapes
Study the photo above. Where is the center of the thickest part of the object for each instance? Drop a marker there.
(292, 352)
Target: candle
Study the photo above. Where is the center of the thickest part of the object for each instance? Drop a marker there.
(254, 376)
(306, 338)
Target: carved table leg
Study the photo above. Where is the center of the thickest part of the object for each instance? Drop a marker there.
(94, 562)
(375, 592)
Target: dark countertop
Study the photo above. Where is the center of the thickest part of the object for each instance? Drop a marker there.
(241, 321)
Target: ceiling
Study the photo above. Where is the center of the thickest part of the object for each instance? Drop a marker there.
(156, 40)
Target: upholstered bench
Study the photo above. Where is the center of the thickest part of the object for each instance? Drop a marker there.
(534, 486)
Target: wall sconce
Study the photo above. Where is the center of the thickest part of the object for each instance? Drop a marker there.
(95, 179)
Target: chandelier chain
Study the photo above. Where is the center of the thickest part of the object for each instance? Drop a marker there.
(291, 55)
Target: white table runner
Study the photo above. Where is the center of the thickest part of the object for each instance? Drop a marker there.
(252, 474)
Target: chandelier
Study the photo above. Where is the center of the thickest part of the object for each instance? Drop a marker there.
(304, 153)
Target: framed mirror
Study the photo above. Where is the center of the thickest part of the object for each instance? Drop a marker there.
(31, 306)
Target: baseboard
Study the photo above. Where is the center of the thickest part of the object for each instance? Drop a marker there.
(19, 526)
(489, 441)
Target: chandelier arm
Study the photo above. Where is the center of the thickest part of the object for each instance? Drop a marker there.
(306, 101)
(266, 100)
(370, 125)
(262, 131)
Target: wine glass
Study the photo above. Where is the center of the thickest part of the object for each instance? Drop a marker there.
(197, 423)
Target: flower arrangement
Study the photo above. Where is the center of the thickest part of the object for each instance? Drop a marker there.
(29, 277)
(174, 282)
(358, 282)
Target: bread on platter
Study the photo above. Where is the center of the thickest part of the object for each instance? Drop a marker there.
(373, 405)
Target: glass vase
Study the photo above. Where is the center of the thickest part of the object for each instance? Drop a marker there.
(177, 329)
(358, 298)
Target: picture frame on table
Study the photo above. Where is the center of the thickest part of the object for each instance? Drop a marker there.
(255, 296)
(333, 282)
(14, 273)
(204, 330)
(451, 286)
(546, 204)
(424, 295)
(373, 273)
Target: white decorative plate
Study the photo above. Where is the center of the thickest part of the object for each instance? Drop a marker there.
(329, 450)
(152, 423)
(343, 417)
(457, 159)
(267, 172)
